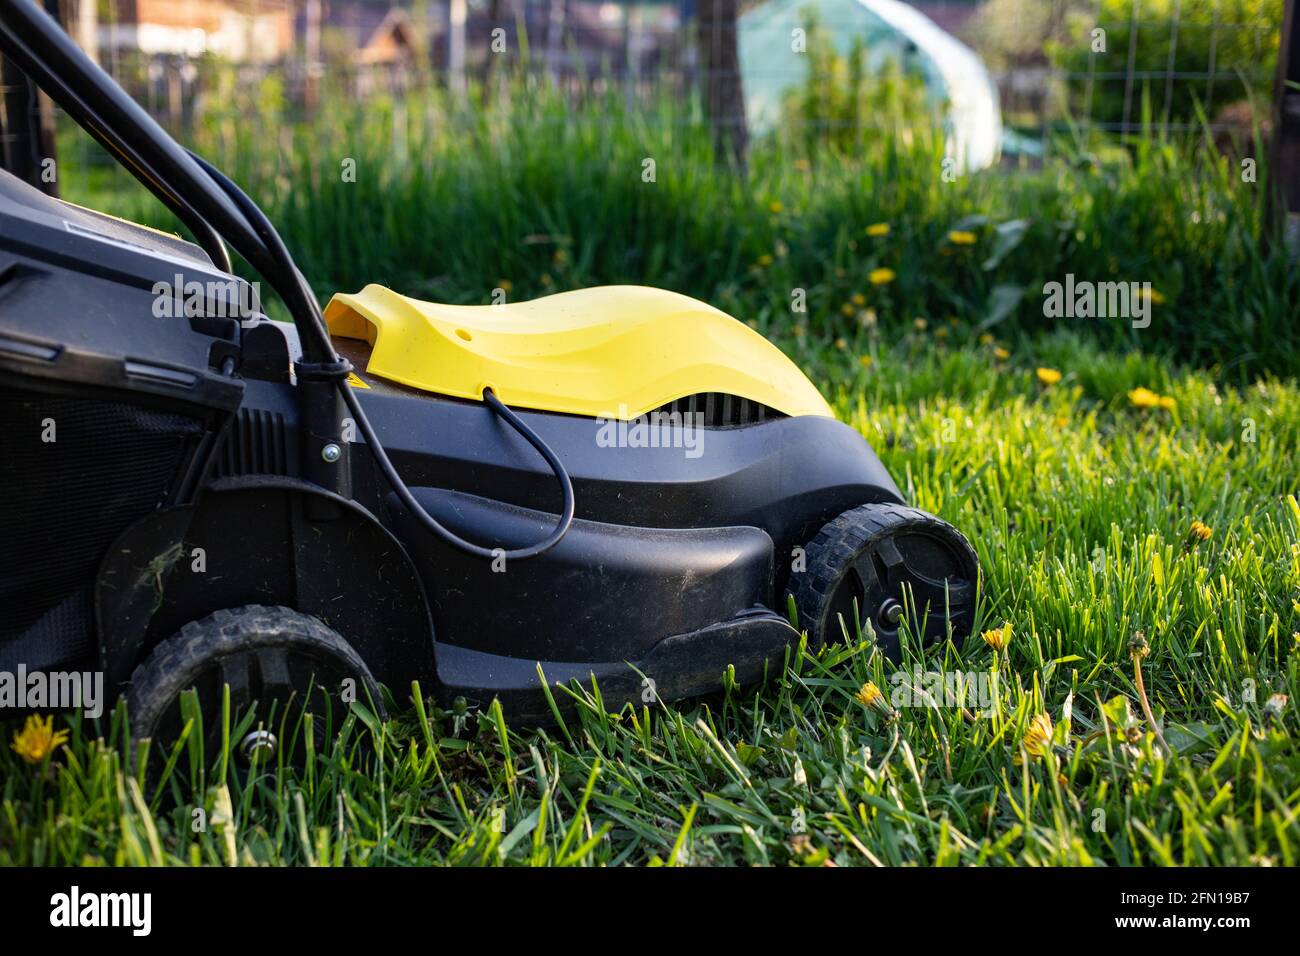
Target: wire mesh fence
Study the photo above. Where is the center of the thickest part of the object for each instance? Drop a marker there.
(1024, 78)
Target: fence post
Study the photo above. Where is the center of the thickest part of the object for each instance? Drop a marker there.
(457, 12)
(1284, 161)
(27, 125)
(87, 34)
(312, 66)
(724, 98)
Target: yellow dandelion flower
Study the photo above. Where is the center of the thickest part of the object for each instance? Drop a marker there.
(1153, 295)
(859, 299)
(1143, 398)
(776, 206)
(878, 229)
(865, 361)
(1167, 403)
(1048, 376)
(1200, 531)
(560, 257)
(38, 739)
(960, 237)
(802, 165)
(841, 344)
(881, 276)
(941, 333)
(919, 324)
(505, 285)
(869, 695)
(986, 338)
(847, 308)
(765, 260)
(998, 637)
(1001, 354)
(1038, 737)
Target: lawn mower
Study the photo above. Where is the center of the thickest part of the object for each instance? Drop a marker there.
(621, 485)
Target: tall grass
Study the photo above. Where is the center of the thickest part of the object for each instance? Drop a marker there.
(535, 193)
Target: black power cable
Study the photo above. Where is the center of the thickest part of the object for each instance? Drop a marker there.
(430, 523)
(339, 369)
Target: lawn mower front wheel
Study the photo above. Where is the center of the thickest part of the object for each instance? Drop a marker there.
(889, 561)
(272, 659)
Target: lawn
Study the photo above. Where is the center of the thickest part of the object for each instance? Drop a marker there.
(1135, 517)
(1080, 504)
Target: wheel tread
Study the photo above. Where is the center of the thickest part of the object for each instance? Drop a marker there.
(839, 540)
(170, 666)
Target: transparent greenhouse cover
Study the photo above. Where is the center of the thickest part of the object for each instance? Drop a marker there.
(889, 30)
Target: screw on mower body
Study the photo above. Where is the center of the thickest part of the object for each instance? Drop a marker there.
(331, 453)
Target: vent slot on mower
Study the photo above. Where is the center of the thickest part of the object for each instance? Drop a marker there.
(256, 444)
(718, 410)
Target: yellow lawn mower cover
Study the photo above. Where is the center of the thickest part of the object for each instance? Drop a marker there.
(610, 352)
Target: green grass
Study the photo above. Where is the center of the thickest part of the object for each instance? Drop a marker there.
(534, 195)
(1079, 505)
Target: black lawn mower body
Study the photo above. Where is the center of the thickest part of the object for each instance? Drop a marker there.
(162, 470)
